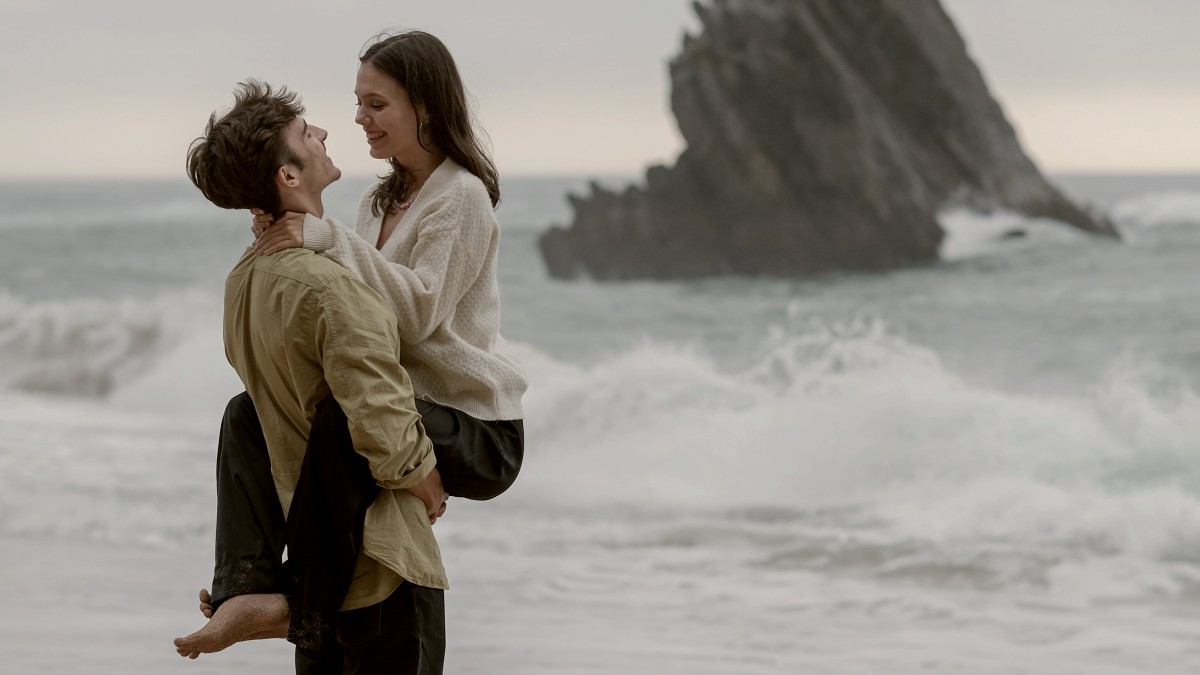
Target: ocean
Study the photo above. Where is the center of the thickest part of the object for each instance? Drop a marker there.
(986, 465)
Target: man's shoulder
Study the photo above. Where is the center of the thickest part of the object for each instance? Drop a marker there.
(302, 266)
(331, 286)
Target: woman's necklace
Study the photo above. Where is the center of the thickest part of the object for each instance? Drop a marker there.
(411, 198)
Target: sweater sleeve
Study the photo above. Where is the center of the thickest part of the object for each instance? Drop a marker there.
(453, 241)
(319, 233)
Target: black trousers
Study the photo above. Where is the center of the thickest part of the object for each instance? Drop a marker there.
(406, 633)
(323, 532)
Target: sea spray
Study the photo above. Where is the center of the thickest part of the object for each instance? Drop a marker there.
(854, 422)
(82, 347)
(1158, 210)
(971, 234)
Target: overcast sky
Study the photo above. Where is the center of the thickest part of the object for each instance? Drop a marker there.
(120, 87)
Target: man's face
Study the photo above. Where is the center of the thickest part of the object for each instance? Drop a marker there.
(308, 143)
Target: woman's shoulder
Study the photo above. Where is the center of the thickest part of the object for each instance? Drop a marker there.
(459, 183)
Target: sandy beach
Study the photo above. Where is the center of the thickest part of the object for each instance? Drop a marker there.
(90, 607)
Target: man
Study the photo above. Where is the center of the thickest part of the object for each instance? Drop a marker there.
(303, 334)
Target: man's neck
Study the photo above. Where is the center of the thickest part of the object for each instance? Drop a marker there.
(302, 204)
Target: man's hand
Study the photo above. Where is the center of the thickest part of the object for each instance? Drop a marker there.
(272, 236)
(433, 494)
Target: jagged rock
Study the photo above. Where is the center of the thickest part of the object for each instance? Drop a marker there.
(821, 135)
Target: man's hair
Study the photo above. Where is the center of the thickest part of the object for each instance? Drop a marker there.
(235, 161)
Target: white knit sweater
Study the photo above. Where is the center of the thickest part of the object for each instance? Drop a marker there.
(437, 271)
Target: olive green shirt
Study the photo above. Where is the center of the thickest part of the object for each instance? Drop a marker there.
(298, 328)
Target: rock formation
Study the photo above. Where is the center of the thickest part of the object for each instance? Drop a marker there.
(821, 135)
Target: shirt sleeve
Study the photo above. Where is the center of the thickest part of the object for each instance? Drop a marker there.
(453, 242)
(358, 348)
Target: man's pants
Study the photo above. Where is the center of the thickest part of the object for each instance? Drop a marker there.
(406, 633)
(476, 459)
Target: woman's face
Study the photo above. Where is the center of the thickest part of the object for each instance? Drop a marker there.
(387, 116)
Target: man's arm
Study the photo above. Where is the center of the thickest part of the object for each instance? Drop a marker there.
(358, 346)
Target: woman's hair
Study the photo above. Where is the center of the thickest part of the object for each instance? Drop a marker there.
(423, 66)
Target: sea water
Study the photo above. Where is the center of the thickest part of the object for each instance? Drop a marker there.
(986, 465)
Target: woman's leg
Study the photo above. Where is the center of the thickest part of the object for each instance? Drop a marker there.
(334, 489)
(325, 524)
(250, 523)
(477, 459)
(247, 600)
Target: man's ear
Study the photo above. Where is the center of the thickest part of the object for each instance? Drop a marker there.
(287, 176)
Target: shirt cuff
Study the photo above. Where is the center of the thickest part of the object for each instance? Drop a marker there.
(414, 476)
(318, 233)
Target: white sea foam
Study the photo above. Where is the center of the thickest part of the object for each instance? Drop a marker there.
(865, 446)
(78, 468)
(971, 234)
(87, 347)
(1158, 210)
(856, 418)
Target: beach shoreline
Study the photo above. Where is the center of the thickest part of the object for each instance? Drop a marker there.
(83, 606)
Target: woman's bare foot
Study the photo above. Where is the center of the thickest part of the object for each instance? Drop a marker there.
(206, 607)
(242, 617)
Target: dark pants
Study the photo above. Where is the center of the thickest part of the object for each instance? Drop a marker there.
(406, 633)
(323, 533)
(250, 522)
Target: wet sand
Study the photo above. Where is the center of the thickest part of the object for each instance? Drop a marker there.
(86, 607)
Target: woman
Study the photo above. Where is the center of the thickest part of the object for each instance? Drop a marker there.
(426, 238)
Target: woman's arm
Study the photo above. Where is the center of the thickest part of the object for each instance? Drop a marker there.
(454, 240)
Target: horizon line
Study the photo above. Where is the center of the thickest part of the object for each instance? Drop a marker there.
(16, 178)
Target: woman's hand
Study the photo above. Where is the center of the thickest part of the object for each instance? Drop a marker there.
(272, 236)
(261, 221)
(433, 494)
